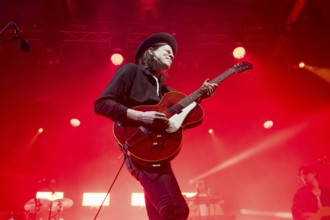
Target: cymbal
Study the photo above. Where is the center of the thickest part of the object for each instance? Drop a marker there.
(36, 204)
(60, 204)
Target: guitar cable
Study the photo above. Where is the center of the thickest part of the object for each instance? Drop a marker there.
(113, 182)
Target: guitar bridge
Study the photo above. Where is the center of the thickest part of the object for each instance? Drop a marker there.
(155, 144)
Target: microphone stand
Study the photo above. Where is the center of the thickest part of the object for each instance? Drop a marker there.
(16, 31)
(51, 202)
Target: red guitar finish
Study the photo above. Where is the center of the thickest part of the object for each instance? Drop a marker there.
(151, 145)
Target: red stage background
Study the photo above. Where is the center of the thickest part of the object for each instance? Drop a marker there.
(68, 67)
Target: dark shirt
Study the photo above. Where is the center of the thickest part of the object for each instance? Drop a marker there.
(132, 85)
(305, 201)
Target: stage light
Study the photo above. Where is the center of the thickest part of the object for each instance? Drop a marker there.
(137, 199)
(322, 72)
(239, 52)
(50, 195)
(301, 65)
(75, 122)
(256, 148)
(36, 135)
(268, 124)
(95, 199)
(117, 58)
(210, 131)
(189, 194)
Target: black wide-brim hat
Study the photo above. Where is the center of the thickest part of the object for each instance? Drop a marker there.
(161, 37)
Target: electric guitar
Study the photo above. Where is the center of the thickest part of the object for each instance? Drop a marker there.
(150, 145)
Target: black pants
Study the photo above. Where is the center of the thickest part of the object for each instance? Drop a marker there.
(163, 197)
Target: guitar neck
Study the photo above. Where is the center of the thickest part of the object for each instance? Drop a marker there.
(238, 68)
(201, 91)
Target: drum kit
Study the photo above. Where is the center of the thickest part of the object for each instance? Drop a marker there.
(42, 209)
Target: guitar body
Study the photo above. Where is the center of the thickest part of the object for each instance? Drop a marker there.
(148, 145)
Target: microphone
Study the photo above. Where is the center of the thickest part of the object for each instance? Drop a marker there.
(24, 44)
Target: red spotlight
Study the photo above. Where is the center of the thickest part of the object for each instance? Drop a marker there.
(210, 131)
(117, 58)
(239, 52)
(301, 65)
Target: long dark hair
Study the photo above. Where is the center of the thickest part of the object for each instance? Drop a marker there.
(147, 60)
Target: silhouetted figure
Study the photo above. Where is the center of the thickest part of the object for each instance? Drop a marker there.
(312, 201)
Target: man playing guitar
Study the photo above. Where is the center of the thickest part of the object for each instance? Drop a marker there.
(142, 84)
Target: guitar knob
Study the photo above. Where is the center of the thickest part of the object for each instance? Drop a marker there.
(159, 136)
(155, 144)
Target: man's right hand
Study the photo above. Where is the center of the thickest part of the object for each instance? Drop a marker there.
(153, 118)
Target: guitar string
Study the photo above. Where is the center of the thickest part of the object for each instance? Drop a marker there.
(177, 108)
